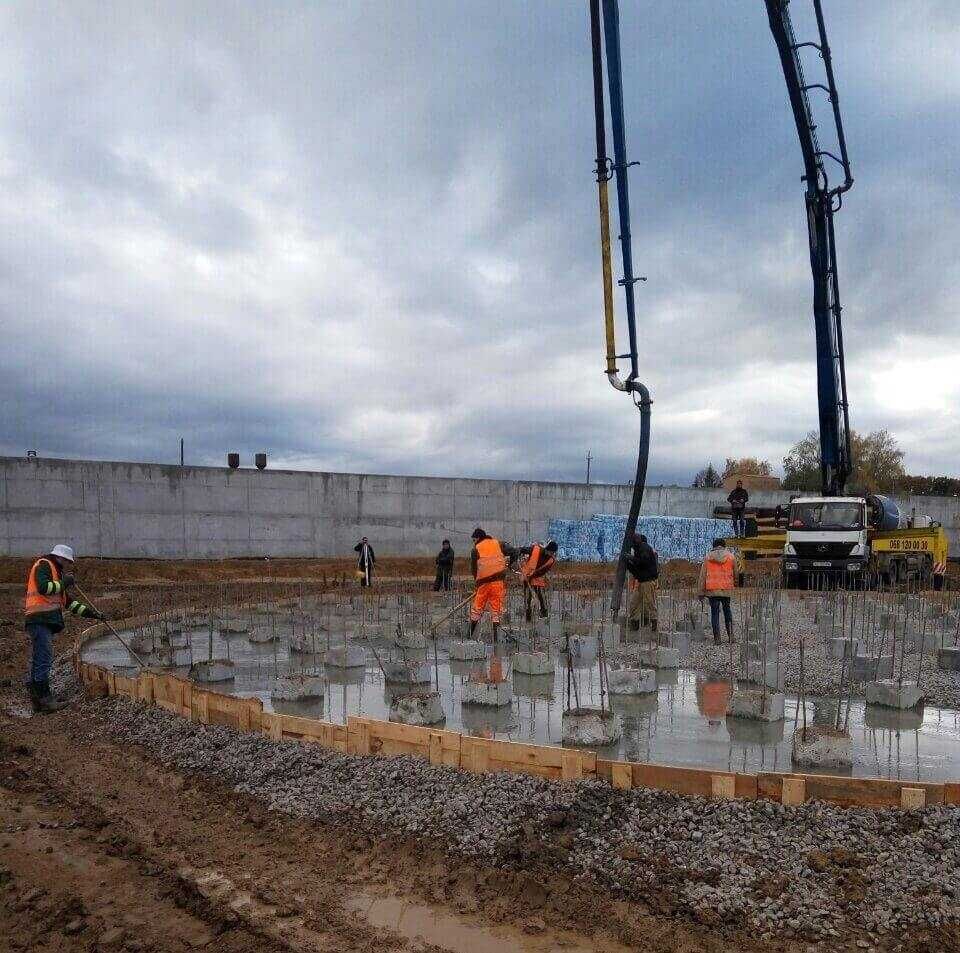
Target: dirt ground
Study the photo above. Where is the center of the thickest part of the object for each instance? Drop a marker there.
(103, 849)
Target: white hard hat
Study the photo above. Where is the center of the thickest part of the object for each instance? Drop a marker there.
(63, 552)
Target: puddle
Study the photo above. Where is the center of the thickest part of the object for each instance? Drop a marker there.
(460, 934)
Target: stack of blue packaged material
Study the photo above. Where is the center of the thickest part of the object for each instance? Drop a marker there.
(673, 537)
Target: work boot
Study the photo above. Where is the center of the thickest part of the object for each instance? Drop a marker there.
(48, 702)
(716, 640)
(528, 615)
(36, 694)
(653, 625)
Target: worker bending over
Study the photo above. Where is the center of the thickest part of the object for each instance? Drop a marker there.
(644, 567)
(47, 587)
(538, 562)
(718, 579)
(489, 561)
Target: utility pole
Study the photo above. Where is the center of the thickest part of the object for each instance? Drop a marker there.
(181, 451)
(589, 458)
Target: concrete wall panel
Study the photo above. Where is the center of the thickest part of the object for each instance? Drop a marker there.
(131, 509)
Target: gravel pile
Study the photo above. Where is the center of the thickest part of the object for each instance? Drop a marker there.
(815, 872)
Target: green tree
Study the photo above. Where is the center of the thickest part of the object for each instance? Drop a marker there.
(877, 463)
(707, 478)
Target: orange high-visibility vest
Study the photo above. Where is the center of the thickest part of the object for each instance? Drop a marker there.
(530, 567)
(720, 575)
(491, 563)
(36, 601)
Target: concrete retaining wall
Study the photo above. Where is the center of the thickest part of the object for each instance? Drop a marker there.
(133, 509)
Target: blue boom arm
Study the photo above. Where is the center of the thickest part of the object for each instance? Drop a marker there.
(822, 201)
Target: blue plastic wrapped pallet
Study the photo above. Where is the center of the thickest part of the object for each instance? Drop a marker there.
(599, 538)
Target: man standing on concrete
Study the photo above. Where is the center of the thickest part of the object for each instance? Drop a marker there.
(738, 500)
(489, 560)
(538, 562)
(47, 585)
(644, 566)
(365, 562)
(444, 567)
(718, 579)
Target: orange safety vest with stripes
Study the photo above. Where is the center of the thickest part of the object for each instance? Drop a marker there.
(720, 575)
(534, 574)
(491, 563)
(36, 601)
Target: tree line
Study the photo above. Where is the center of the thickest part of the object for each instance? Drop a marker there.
(877, 465)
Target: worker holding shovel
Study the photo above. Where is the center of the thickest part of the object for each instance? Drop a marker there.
(49, 582)
(489, 560)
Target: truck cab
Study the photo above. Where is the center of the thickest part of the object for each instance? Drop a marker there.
(826, 534)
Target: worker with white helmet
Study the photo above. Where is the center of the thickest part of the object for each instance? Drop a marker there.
(47, 585)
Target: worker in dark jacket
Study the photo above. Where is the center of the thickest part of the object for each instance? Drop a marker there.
(365, 562)
(738, 500)
(643, 565)
(444, 567)
(537, 561)
(49, 582)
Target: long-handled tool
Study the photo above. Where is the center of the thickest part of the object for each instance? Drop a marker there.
(110, 628)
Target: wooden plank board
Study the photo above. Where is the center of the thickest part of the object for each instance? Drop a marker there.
(539, 760)
(951, 792)
(866, 792)
(621, 775)
(745, 786)
(677, 780)
(474, 754)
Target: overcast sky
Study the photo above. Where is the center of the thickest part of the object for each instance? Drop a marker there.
(363, 236)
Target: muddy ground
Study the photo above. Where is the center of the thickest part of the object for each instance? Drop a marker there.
(101, 848)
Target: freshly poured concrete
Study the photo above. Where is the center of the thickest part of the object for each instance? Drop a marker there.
(684, 722)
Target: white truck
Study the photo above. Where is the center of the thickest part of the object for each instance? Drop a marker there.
(861, 537)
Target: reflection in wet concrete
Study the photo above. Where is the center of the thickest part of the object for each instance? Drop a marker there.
(683, 723)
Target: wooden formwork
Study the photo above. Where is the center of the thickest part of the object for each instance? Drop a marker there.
(368, 736)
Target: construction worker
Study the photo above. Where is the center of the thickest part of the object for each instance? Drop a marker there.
(718, 579)
(365, 562)
(644, 567)
(47, 585)
(444, 567)
(538, 562)
(738, 500)
(489, 561)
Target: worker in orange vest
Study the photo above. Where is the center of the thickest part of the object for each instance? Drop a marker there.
(489, 561)
(718, 579)
(538, 562)
(47, 586)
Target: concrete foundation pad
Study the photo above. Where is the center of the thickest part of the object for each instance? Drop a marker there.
(822, 747)
(398, 673)
(347, 656)
(631, 681)
(772, 675)
(890, 693)
(466, 650)
(747, 731)
(217, 670)
(494, 694)
(753, 653)
(948, 659)
(660, 657)
(417, 709)
(261, 634)
(893, 719)
(756, 705)
(295, 688)
(867, 668)
(845, 648)
(533, 663)
(409, 640)
(585, 726)
(533, 686)
(234, 626)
